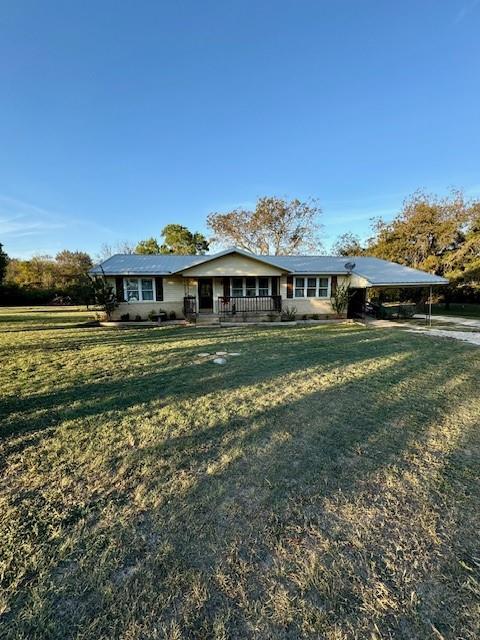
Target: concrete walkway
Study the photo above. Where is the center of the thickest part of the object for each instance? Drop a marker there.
(473, 337)
(472, 323)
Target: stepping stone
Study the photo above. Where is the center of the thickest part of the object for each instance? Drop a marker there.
(234, 354)
(203, 355)
(221, 353)
(220, 361)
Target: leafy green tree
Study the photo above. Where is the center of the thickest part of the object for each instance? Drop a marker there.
(276, 226)
(150, 246)
(438, 235)
(38, 273)
(3, 263)
(426, 234)
(178, 239)
(464, 264)
(67, 274)
(72, 267)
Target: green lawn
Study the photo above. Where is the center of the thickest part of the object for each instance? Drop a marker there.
(323, 484)
(28, 318)
(466, 310)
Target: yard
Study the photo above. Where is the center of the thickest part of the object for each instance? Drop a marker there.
(465, 310)
(322, 484)
(18, 318)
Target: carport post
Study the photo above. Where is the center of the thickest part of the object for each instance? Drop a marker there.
(430, 308)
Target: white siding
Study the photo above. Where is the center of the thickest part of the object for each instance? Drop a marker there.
(233, 265)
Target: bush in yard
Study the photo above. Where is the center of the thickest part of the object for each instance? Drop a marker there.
(152, 316)
(340, 298)
(172, 315)
(138, 318)
(289, 314)
(125, 317)
(104, 295)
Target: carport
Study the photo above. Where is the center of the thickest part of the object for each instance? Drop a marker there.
(382, 276)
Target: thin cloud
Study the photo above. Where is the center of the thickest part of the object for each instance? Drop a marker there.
(20, 219)
(465, 10)
(19, 227)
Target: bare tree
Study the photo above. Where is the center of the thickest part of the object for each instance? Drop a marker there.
(276, 226)
(348, 244)
(109, 250)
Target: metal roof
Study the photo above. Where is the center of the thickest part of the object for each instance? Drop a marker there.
(384, 273)
(153, 265)
(377, 272)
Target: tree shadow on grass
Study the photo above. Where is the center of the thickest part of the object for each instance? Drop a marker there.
(161, 383)
(273, 493)
(262, 484)
(450, 591)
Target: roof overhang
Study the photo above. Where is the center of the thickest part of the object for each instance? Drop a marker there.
(406, 284)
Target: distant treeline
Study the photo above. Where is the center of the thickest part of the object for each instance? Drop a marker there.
(45, 280)
(437, 235)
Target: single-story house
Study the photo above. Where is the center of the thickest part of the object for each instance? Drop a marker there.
(238, 283)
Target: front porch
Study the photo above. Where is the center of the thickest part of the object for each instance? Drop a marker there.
(233, 305)
(225, 296)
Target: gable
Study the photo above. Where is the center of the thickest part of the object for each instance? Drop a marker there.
(233, 264)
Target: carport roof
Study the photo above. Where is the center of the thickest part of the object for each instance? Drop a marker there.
(377, 272)
(390, 274)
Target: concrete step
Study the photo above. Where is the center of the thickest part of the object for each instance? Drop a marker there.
(207, 319)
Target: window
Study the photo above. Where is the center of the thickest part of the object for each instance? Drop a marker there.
(237, 287)
(250, 287)
(311, 287)
(263, 286)
(299, 287)
(147, 289)
(139, 289)
(323, 287)
(131, 290)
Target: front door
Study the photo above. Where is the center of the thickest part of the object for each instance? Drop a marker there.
(205, 294)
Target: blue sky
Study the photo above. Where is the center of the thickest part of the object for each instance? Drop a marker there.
(117, 118)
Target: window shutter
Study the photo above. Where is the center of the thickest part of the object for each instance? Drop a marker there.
(275, 286)
(289, 286)
(119, 289)
(159, 289)
(226, 287)
(333, 287)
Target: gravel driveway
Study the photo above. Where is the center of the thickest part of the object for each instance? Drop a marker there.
(466, 336)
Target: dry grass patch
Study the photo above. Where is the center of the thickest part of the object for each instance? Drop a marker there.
(322, 485)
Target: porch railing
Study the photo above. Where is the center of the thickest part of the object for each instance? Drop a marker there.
(189, 306)
(232, 305)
